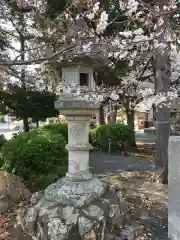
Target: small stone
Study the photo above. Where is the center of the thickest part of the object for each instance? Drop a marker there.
(92, 228)
(4, 204)
(27, 219)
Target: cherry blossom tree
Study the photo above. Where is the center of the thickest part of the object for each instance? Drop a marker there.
(19, 34)
(148, 33)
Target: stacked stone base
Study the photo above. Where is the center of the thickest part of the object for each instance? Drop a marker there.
(47, 220)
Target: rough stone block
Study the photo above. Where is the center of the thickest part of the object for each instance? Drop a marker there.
(92, 221)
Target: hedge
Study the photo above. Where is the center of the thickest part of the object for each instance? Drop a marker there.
(38, 157)
(118, 136)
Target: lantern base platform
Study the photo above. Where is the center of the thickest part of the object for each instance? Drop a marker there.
(45, 219)
(75, 193)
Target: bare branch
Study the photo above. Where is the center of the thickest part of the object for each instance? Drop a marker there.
(144, 69)
(36, 61)
(28, 50)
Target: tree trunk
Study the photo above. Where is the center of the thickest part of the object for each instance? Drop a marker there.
(130, 122)
(162, 83)
(107, 118)
(101, 115)
(162, 137)
(26, 124)
(114, 114)
(37, 124)
(162, 117)
(23, 73)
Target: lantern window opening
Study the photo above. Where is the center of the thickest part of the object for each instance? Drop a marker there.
(84, 79)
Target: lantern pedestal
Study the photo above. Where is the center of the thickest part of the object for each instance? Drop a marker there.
(79, 186)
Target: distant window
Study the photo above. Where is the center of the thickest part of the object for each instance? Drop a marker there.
(83, 79)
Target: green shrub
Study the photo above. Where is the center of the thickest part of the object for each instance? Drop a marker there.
(24, 136)
(92, 137)
(61, 128)
(117, 134)
(43, 180)
(34, 156)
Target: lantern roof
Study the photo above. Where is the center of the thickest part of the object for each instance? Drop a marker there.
(95, 61)
(82, 50)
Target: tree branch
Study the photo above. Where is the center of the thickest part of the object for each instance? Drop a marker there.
(144, 69)
(35, 61)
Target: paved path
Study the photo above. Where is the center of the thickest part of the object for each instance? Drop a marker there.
(102, 163)
(145, 138)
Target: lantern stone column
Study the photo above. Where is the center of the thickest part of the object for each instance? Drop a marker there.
(78, 148)
(79, 185)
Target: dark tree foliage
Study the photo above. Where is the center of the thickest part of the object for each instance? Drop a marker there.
(28, 103)
(42, 105)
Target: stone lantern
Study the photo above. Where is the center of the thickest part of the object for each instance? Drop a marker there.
(78, 206)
